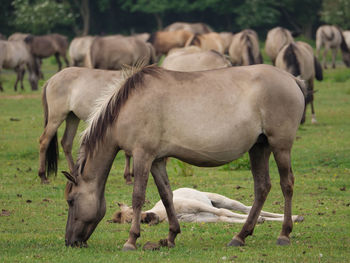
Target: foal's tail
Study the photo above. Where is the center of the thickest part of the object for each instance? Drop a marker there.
(52, 150)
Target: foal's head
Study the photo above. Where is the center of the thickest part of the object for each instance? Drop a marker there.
(87, 206)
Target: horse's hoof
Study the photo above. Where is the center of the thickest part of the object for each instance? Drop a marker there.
(236, 242)
(283, 241)
(45, 181)
(128, 247)
(299, 219)
(151, 246)
(166, 243)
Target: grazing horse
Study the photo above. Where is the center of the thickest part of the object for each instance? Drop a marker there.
(226, 40)
(186, 59)
(48, 45)
(298, 59)
(209, 41)
(69, 96)
(244, 49)
(16, 55)
(276, 39)
(195, 28)
(205, 118)
(331, 37)
(113, 52)
(194, 206)
(79, 49)
(163, 42)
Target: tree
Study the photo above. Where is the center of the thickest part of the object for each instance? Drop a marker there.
(336, 12)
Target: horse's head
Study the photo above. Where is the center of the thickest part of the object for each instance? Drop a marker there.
(87, 206)
(125, 216)
(346, 58)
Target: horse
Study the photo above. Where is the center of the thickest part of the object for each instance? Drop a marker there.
(205, 118)
(244, 49)
(164, 41)
(346, 35)
(298, 59)
(226, 40)
(208, 41)
(15, 55)
(192, 205)
(18, 36)
(79, 49)
(113, 52)
(192, 58)
(276, 39)
(68, 96)
(331, 37)
(48, 45)
(195, 28)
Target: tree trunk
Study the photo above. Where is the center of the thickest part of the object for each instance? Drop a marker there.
(85, 13)
(159, 21)
(307, 30)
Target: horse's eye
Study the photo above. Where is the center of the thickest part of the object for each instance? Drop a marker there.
(70, 202)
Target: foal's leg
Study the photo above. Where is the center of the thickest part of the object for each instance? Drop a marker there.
(72, 123)
(141, 166)
(259, 159)
(160, 176)
(282, 157)
(127, 174)
(57, 56)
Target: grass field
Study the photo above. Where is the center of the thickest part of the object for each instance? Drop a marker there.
(33, 216)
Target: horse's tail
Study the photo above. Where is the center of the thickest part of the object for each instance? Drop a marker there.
(291, 60)
(318, 69)
(52, 150)
(248, 55)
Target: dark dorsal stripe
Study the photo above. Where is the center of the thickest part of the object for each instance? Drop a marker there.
(291, 59)
(195, 40)
(114, 105)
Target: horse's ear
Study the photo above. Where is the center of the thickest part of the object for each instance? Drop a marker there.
(70, 177)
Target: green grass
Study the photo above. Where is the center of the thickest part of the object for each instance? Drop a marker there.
(32, 225)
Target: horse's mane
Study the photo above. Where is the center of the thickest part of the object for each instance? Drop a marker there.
(291, 60)
(108, 108)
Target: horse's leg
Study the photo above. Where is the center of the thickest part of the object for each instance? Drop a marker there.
(127, 174)
(45, 139)
(65, 59)
(334, 54)
(311, 90)
(141, 166)
(259, 159)
(160, 176)
(22, 71)
(17, 70)
(72, 123)
(325, 51)
(57, 56)
(282, 157)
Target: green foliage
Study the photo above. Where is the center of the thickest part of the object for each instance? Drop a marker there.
(242, 163)
(336, 12)
(182, 169)
(41, 16)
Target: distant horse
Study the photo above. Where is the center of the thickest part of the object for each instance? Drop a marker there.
(346, 35)
(185, 59)
(226, 40)
(48, 45)
(205, 118)
(142, 36)
(244, 49)
(18, 36)
(163, 42)
(16, 55)
(209, 41)
(194, 206)
(276, 39)
(79, 48)
(299, 60)
(113, 52)
(195, 28)
(69, 96)
(331, 37)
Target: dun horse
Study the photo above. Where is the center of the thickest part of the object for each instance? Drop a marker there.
(206, 42)
(244, 49)
(276, 39)
(49, 45)
(331, 37)
(205, 118)
(69, 96)
(15, 55)
(184, 59)
(113, 52)
(194, 206)
(79, 48)
(195, 28)
(299, 60)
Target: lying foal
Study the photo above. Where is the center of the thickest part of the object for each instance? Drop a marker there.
(194, 206)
